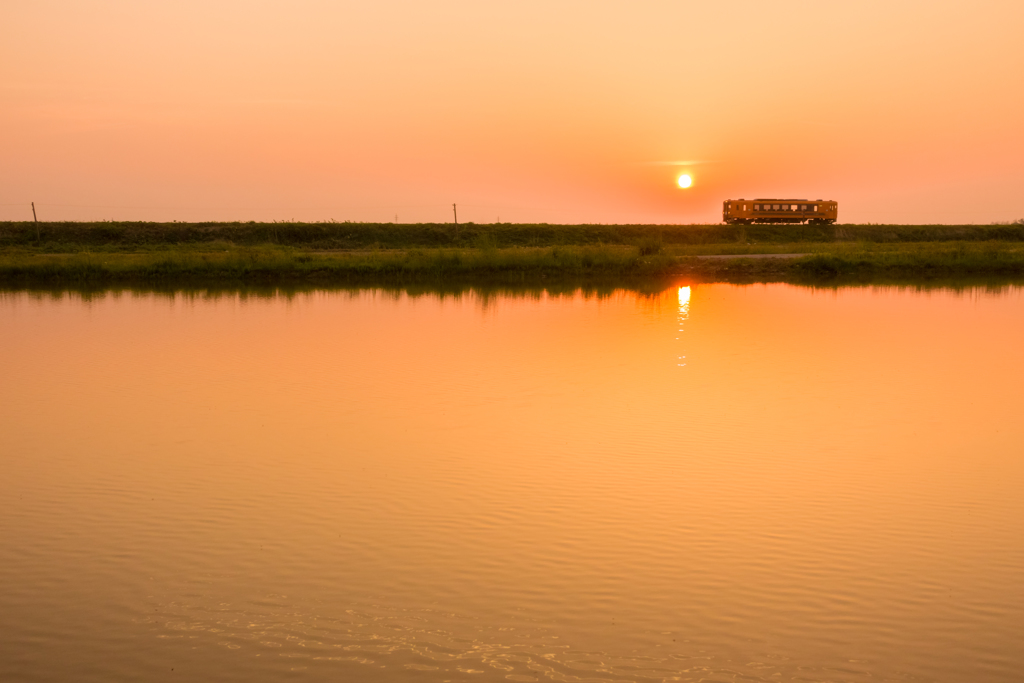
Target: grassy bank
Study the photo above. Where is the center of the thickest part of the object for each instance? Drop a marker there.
(113, 253)
(69, 236)
(270, 264)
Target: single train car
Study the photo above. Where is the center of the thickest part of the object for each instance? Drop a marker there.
(746, 211)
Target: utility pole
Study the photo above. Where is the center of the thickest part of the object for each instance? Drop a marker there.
(36, 221)
(34, 212)
(454, 211)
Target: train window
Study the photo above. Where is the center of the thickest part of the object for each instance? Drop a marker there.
(744, 207)
(775, 207)
(757, 207)
(815, 207)
(793, 207)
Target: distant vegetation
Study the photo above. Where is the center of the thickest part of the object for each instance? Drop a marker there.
(271, 253)
(53, 236)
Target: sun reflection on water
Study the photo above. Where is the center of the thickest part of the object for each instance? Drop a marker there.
(684, 313)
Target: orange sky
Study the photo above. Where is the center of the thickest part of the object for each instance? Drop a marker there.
(527, 111)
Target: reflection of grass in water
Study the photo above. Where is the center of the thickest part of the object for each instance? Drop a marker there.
(485, 290)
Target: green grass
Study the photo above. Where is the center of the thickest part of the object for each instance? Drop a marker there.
(70, 236)
(272, 261)
(125, 253)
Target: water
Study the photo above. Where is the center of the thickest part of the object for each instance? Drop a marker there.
(714, 483)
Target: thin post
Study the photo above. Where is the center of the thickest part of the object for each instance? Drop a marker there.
(456, 213)
(36, 221)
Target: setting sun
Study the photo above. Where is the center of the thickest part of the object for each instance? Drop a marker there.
(685, 181)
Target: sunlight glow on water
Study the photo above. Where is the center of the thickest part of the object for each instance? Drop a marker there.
(371, 485)
(684, 312)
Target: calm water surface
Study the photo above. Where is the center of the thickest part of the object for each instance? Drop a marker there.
(714, 483)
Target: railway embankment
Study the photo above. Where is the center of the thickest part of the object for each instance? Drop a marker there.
(126, 253)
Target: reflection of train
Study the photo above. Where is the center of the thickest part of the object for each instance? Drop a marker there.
(779, 211)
